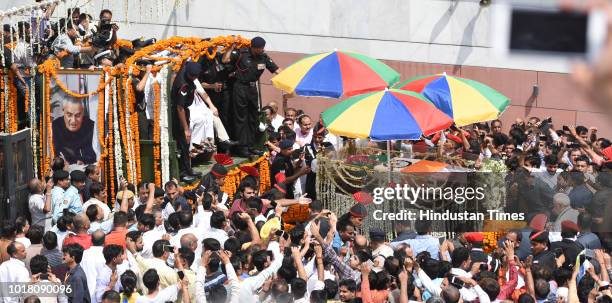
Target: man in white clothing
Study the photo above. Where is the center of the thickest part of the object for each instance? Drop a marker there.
(98, 194)
(108, 275)
(13, 270)
(93, 258)
(39, 204)
(218, 222)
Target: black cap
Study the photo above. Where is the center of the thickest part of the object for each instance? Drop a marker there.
(285, 144)
(377, 234)
(192, 69)
(78, 176)
(258, 42)
(60, 175)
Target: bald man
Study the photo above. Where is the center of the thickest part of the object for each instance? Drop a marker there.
(190, 241)
(14, 270)
(277, 120)
(81, 227)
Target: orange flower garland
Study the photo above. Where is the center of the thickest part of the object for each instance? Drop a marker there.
(50, 68)
(234, 176)
(49, 129)
(101, 111)
(110, 138)
(12, 104)
(123, 43)
(131, 99)
(122, 127)
(2, 113)
(156, 134)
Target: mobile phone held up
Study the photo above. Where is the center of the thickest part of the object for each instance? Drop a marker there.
(546, 30)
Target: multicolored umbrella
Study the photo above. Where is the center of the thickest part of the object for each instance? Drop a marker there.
(466, 101)
(391, 114)
(335, 74)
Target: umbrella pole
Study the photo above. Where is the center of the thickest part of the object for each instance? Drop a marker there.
(390, 169)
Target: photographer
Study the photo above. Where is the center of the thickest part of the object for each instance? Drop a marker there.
(104, 37)
(63, 47)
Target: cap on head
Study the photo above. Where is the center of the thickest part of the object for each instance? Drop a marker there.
(192, 69)
(218, 170)
(358, 210)
(258, 42)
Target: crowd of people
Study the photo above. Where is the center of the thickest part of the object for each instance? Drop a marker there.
(154, 243)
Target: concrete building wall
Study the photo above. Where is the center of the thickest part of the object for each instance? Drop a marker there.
(413, 36)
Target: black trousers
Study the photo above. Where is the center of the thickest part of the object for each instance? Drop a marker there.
(222, 101)
(245, 109)
(181, 141)
(145, 127)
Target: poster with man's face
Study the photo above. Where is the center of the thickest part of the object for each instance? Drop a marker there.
(74, 120)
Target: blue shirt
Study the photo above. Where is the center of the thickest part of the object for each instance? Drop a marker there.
(61, 199)
(580, 196)
(422, 243)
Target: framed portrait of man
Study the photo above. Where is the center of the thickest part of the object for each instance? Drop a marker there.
(75, 120)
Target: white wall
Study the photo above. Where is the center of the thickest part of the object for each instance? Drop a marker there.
(433, 31)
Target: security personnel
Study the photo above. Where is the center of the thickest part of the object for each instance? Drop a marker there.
(249, 64)
(182, 94)
(217, 84)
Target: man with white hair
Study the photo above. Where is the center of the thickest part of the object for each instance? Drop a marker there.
(73, 133)
(563, 211)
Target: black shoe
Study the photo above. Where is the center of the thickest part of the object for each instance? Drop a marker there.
(256, 152)
(242, 153)
(187, 178)
(193, 173)
(229, 143)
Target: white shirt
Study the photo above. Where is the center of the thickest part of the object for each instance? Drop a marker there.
(148, 238)
(251, 284)
(93, 258)
(218, 234)
(277, 122)
(167, 294)
(36, 204)
(201, 220)
(25, 241)
(13, 270)
(94, 201)
(102, 281)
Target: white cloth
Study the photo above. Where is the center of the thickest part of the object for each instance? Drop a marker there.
(25, 241)
(149, 93)
(147, 239)
(167, 294)
(201, 220)
(277, 121)
(200, 122)
(36, 204)
(13, 270)
(251, 284)
(93, 258)
(102, 281)
(217, 234)
(102, 205)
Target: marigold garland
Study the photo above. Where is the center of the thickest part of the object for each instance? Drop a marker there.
(234, 176)
(49, 128)
(110, 138)
(123, 43)
(131, 95)
(2, 101)
(156, 134)
(123, 126)
(101, 111)
(13, 118)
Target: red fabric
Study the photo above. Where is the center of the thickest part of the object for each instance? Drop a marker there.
(116, 237)
(250, 170)
(82, 239)
(223, 159)
(607, 152)
(363, 197)
(242, 207)
(473, 237)
(280, 178)
(507, 289)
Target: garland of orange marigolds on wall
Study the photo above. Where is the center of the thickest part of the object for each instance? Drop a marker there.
(131, 95)
(110, 137)
(12, 103)
(2, 104)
